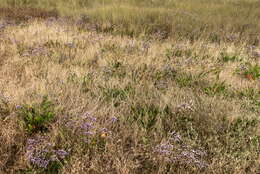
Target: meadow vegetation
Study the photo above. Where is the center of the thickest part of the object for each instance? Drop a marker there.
(129, 86)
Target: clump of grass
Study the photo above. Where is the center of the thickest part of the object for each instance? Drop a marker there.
(229, 58)
(253, 72)
(117, 95)
(178, 51)
(115, 68)
(187, 80)
(249, 71)
(253, 95)
(216, 88)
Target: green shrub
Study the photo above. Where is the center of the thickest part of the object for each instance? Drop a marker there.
(36, 117)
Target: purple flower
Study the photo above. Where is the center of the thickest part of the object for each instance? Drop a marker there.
(39, 161)
(18, 107)
(104, 130)
(93, 119)
(86, 126)
(114, 119)
(62, 153)
(88, 115)
(42, 163)
(88, 133)
(32, 142)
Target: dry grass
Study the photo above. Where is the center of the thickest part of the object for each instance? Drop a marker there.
(127, 104)
(216, 21)
(21, 14)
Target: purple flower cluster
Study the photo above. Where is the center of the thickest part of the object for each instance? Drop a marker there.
(83, 125)
(190, 157)
(41, 154)
(165, 149)
(175, 151)
(38, 159)
(86, 126)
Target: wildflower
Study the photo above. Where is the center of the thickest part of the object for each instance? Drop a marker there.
(93, 119)
(164, 149)
(62, 153)
(104, 130)
(88, 115)
(18, 107)
(37, 158)
(42, 163)
(180, 152)
(86, 126)
(114, 119)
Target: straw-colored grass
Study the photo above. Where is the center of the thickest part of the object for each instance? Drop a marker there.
(127, 96)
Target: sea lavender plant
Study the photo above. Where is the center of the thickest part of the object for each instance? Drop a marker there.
(40, 153)
(174, 150)
(83, 125)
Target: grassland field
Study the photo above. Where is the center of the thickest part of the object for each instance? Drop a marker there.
(129, 86)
